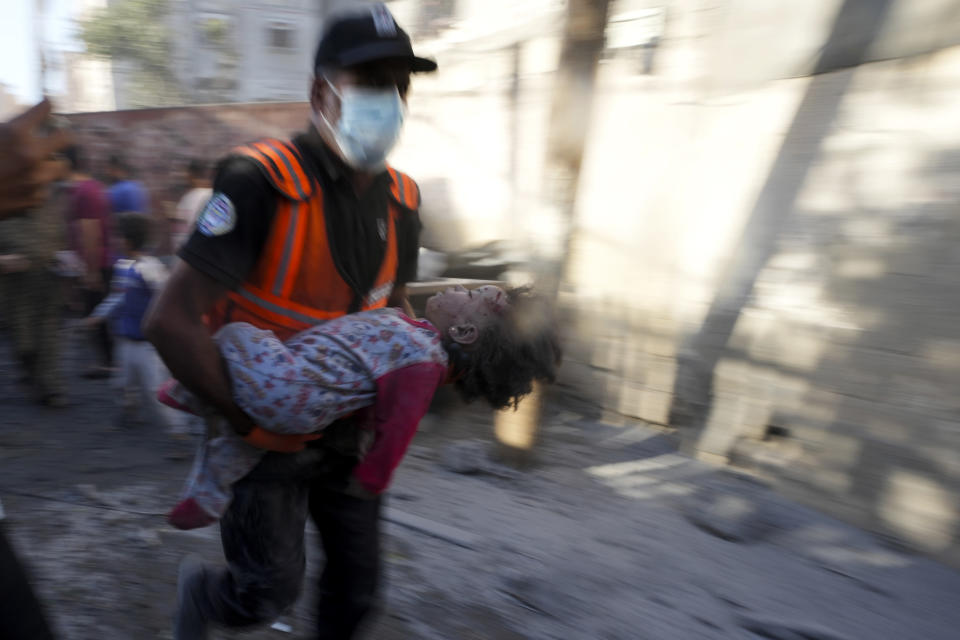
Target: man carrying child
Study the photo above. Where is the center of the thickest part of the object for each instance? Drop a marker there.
(298, 232)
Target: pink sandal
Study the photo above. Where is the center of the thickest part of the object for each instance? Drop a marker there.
(167, 393)
(189, 515)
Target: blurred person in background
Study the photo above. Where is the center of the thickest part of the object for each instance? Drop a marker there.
(298, 232)
(185, 215)
(90, 225)
(28, 164)
(126, 194)
(137, 277)
(27, 168)
(31, 246)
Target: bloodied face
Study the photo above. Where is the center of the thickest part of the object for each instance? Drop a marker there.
(461, 314)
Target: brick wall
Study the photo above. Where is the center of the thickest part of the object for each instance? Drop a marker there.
(159, 143)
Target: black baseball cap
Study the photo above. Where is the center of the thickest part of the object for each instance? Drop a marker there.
(365, 36)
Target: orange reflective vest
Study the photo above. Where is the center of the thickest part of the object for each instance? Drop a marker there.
(295, 283)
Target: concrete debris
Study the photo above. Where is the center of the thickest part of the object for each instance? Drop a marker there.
(730, 517)
(472, 457)
(437, 530)
(772, 628)
(468, 457)
(147, 538)
(540, 596)
(736, 508)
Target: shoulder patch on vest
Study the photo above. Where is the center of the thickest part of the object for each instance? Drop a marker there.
(218, 217)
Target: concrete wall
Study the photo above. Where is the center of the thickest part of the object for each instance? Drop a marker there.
(752, 41)
(818, 216)
(796, 233)
(269, 73)
(842, 362)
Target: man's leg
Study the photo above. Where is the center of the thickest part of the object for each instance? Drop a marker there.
(350, 532)
(124, 382)
(49, 379)
(262, 537)
(101, 340)
(18, 297)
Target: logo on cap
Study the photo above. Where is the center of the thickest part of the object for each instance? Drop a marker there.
(383, 21)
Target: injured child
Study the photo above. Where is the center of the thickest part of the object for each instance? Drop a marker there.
(380, 364)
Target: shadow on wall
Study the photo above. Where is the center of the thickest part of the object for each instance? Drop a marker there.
(849, 400)
(693, 387)
(893, 386)
(870, 409)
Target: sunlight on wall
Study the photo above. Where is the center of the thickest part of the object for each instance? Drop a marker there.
(919, 509)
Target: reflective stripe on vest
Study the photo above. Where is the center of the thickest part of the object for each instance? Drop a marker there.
(280, 160)
(295, 283)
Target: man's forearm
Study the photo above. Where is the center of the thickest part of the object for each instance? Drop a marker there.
(192, 357)
(174, 324)
(194, 360)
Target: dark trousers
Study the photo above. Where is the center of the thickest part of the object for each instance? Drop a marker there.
(263, 542)
(102, 341)
(21, 617)
(33, 307)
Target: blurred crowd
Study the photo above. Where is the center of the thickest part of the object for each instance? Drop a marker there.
(67, 257)
(84, 248)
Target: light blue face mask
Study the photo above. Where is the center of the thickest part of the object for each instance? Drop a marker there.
(369, 125)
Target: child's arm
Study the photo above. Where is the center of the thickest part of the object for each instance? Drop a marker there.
(109, 304)
(153, 272)
(403, 397)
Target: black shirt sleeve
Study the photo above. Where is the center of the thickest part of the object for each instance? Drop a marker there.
(229, 255)
(408, 246)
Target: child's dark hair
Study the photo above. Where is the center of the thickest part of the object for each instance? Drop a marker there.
(135, 229)
(510, 354)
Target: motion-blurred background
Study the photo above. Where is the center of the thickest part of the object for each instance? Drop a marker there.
(762, 251)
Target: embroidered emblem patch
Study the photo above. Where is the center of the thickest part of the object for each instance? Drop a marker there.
(218, 217)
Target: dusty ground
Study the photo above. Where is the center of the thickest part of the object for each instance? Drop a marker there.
(613, 536)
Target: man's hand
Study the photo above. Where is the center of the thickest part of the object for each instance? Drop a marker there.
(27, 163)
